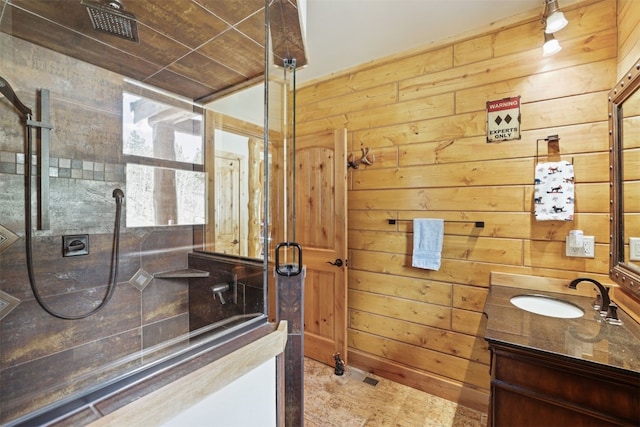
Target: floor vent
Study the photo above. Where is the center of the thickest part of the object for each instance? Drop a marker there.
(370, 381)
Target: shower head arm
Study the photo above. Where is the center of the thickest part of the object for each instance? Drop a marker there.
(8, 92)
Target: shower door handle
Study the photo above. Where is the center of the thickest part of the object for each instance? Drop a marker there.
(338, 262)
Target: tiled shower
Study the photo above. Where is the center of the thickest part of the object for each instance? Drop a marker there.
(44, 359)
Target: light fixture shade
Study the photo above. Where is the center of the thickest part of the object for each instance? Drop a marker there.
(553, 18)
(555, 22)
(551, 45)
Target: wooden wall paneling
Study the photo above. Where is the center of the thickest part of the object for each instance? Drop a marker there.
(515, 225)
(454, 367)
(469, 297)
(452, 343)
(434, 162)
(473, 50)
(468, 322)
(628, 35)
(488, 173)
(597, 224)
(437, 129)
(401, 308)
(595, 17)
(590, 47)
(571, 110)
(409, 111)
(550, 255)
(585, 78)
(455, 271)
(498, 198)
(366, 219)
(365, 77)
(466, 227)
(472, 149)
(380, 241)
(575, 138)
(488, 249)
(422, 290)
(349, 102)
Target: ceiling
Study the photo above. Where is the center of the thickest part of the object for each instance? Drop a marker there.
(194, 48)
(345, 33)
(203, 48)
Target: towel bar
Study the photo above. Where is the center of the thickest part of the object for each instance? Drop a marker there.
(478, 224)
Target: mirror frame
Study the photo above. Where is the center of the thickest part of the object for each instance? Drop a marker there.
(622, 274)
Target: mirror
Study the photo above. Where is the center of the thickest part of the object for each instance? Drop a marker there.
(624, 126)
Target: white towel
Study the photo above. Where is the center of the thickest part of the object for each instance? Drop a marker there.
(427, 243)
(554, 191)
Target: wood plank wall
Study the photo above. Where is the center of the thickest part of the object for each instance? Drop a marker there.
(628, 35)
(423, 117)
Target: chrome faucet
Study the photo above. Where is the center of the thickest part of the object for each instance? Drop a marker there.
(218, 290)
(608, 309)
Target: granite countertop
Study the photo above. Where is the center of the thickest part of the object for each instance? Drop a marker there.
(588, 338)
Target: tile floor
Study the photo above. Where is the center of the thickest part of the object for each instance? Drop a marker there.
(349, 401)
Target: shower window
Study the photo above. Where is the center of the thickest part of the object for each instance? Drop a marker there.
(163, 145)
(150, 203)
(161, 131)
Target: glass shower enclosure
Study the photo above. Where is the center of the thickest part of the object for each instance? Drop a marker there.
(149, 215)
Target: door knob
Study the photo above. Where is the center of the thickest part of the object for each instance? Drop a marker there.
(338, 262)
(235, 241)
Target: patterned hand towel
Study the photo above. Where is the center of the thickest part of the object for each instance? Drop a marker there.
(428, 234)
(554, 191)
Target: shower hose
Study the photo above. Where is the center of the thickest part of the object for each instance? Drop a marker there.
(115, 251)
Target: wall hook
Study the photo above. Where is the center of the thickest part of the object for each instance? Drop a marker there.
(364, 159)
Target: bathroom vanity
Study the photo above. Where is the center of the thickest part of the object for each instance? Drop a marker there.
(560, 371)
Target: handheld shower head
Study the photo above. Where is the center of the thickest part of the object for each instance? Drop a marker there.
(119, 195)
(8, 92)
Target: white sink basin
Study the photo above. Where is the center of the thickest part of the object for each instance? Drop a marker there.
(547, 306)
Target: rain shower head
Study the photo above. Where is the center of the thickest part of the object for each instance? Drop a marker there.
(110, 17)
(8, 92)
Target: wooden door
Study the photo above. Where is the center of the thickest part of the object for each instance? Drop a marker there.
(321, 229)
(227, 204)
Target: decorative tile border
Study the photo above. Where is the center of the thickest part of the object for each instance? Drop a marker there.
(13, 163)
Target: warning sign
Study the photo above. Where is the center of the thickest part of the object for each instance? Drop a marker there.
(503, 119)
